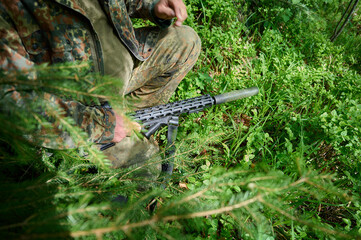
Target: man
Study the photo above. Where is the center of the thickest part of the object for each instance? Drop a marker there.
(150, 62)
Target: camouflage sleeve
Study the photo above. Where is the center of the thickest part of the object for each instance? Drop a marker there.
(140, 8)
(13, 55)
(97, 122)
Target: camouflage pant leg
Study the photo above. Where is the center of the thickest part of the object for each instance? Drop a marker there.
(154, 81)
(140, 156)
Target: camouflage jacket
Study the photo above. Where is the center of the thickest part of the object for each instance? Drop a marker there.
(54, 31)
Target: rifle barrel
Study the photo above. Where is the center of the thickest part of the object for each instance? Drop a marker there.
(234, 95)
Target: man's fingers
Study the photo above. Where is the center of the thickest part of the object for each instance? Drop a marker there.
(180, 11)
(135, 126)
(165, 12)
(169, 9)
(124, 127)
(130, 126)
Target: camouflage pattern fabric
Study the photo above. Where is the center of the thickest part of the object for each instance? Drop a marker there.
(51, 31)
(141, 156)
(155, 80)
(152, 83)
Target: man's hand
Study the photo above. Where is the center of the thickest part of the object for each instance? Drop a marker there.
(124, 127)
(169, 9)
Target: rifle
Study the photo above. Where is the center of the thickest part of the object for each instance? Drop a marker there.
(154, 118)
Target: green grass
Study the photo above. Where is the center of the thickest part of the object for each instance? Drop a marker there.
(306, 117)
(284, 164)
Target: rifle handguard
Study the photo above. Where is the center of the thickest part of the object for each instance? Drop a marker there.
(235, 95)
(155, 117)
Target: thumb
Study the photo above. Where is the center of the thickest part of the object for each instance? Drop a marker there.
(164, 12)
(180, 12)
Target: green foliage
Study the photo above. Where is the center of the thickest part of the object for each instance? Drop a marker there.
(307, 113)
(284, 164)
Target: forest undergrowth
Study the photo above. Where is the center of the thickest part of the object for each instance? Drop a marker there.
(284, 164)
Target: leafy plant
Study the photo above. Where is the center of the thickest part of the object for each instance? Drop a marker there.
(284, 164)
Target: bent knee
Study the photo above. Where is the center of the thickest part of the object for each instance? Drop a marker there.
(189, 37)
(188, 34)
(185, 43)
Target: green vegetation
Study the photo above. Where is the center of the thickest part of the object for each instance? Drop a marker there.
(284, 164)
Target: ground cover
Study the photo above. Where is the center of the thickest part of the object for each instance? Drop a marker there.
(284, 164)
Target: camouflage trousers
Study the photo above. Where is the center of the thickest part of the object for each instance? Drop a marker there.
(152, 83)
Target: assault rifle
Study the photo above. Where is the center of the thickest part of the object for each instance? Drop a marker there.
(154, 118)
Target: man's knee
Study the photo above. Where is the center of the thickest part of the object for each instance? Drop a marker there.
(190, 40)
(141, 156)
(132, 151)
(183, 43)
(190, 37)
